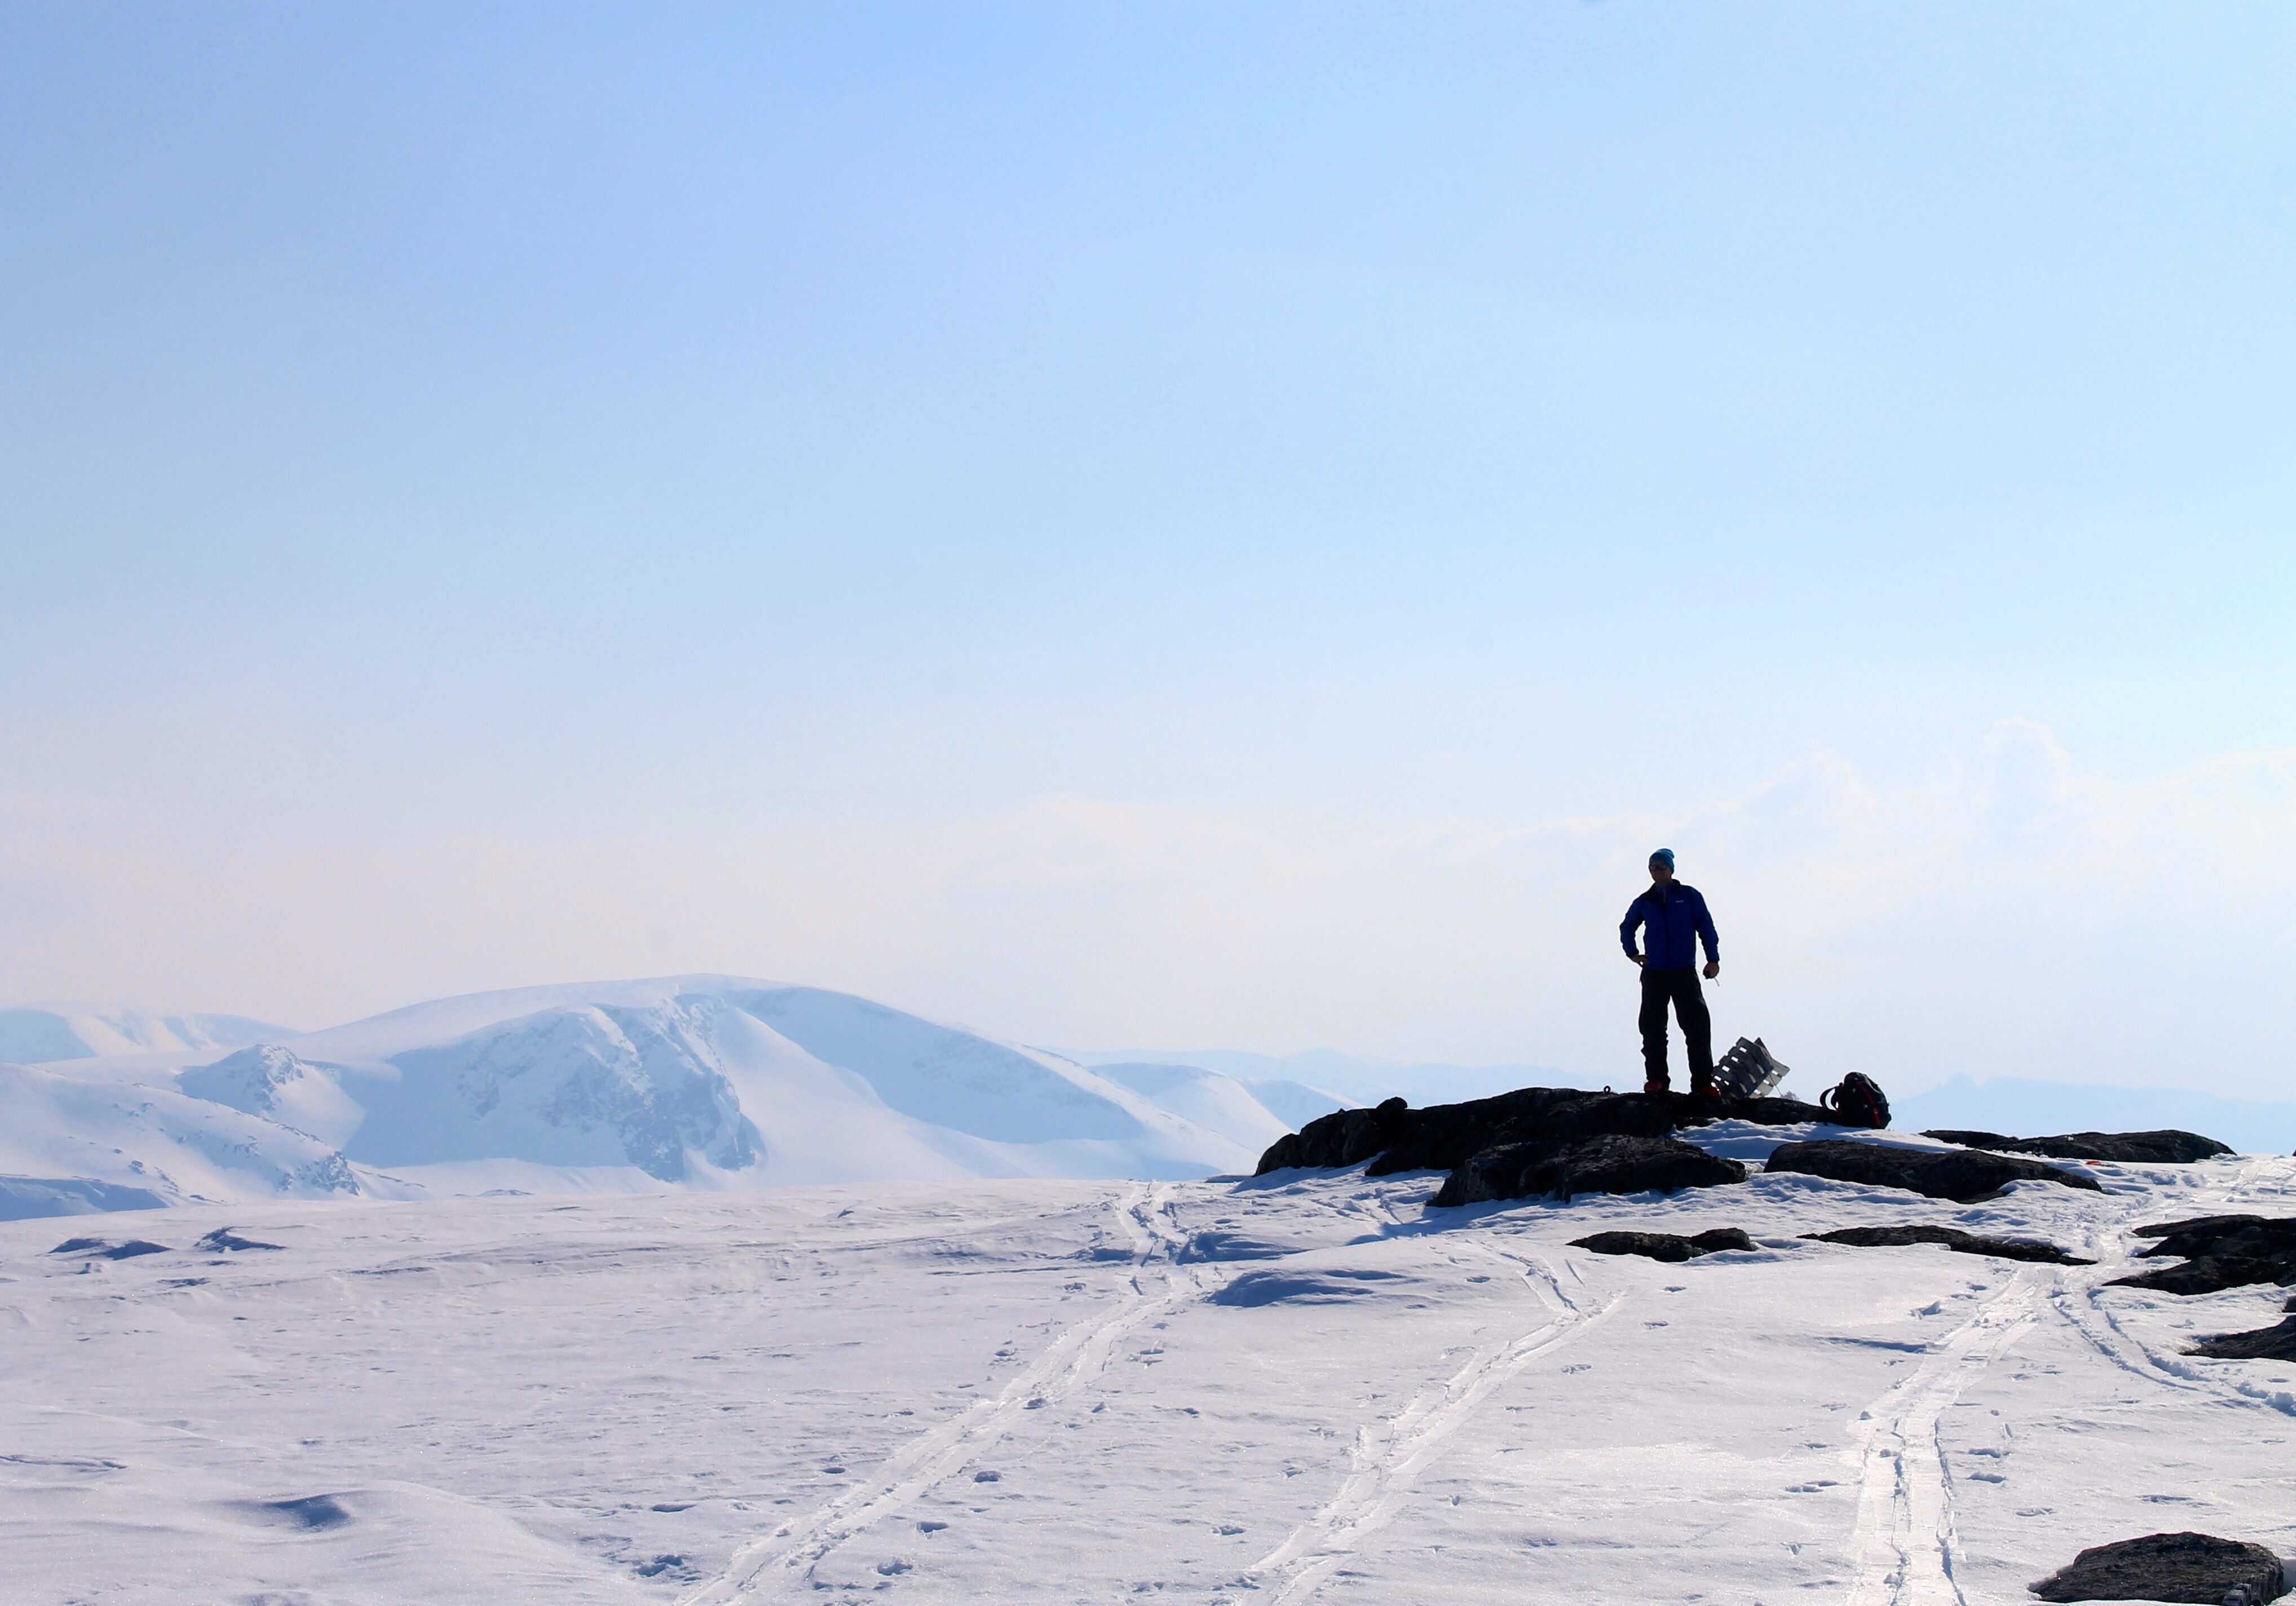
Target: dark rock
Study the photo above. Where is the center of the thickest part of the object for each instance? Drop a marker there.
(1533, 1141)
(2222, 1235)
(1973, 1140)
(103, 1248)
(224, 1238)
(2276, 1342)
(1612, 1163)
(1447, 1135)
(1963, 1175)
(1619, 1164)
(1345, 1137)
(2209, 1274)
(1508, 1171)
(2219, 1252)
(1444, 1136)
(2204, 1228)
(1665, 1246)
(2169, 1567)
(1953, 1238)
(2166, 1147)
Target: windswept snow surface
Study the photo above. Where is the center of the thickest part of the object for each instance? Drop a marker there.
(1307, 1388)
(689, 1082)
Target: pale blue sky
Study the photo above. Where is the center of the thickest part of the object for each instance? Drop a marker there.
(633, 442)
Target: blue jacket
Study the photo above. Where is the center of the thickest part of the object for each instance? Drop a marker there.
(1674, 918)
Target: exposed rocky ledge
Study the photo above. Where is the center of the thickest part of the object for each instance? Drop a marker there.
(2169, 1567)
(1612, 1163)
(1563, 1141)
(2276, 1342)
(1666, 1246)
(1964, 1176)
(2218, 1252)
(1441, 1137)
(1953, 1238)
(2168, 1147)
(104, 1248)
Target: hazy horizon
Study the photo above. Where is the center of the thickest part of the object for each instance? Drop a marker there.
(1186, 526)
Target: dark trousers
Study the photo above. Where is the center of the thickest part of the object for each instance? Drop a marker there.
(1690, 1009)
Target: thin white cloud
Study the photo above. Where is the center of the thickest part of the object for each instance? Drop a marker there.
(2011, 915)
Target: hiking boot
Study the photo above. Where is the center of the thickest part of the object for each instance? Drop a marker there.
(1656, 1084)
(1705, 1090)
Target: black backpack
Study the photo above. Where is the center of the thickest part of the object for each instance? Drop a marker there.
(1857, 1101)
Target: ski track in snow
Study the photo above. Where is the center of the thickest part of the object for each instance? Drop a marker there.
(2099, 1371)
(2085, 1309)
(1905, 1547)
(782, 1560)
(1391, 1453)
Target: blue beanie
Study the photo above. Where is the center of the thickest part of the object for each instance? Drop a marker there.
(1664, 853)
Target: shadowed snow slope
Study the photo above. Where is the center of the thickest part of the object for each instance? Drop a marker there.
(685, 1081)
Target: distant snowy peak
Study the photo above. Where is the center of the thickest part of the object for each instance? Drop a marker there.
(269, 1081)
(942, 1075)
(582, 1084)
(651, 1082)
(62, 1135)
(715, 1082)
(36, 1034)
(1212, 1098)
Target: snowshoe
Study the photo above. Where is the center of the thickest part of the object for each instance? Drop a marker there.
(1748, 1071)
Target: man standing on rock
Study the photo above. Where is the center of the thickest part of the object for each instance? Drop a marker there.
(1673, 920)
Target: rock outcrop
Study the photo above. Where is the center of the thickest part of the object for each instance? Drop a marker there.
(1536, 1141)
(1441, 1137)
(2218, 1252)
(223, 1240)
(2168, 1147)
(104, 1248)
(2169, 1567)
(1965, 1175)
(1666, 1246)
(2276, 1342)
(1954, 1239)
(1612, 1163)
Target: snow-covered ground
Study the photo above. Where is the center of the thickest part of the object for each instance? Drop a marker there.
(1305, 1387)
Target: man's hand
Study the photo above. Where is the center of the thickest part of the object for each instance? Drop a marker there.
(1636, 957)
(1713, 969)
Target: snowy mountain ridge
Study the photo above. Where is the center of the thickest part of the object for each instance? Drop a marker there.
(690, 1082)
(34, 1034)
